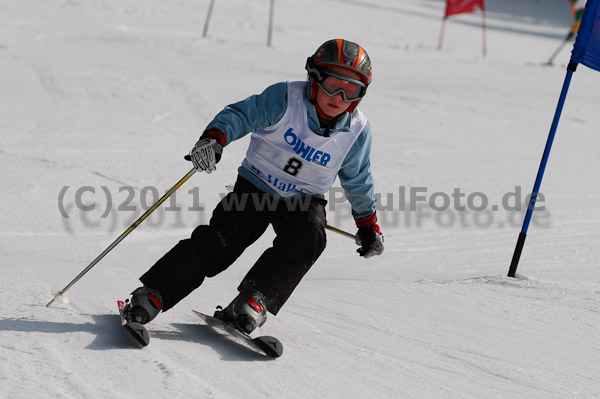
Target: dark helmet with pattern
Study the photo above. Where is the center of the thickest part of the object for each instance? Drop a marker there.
(340, 53)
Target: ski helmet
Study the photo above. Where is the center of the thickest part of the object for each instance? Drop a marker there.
(341, 53)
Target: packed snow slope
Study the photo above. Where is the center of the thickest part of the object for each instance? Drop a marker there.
(100, 100)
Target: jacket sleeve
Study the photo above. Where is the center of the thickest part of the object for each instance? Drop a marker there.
(355, 176)
(255, 112)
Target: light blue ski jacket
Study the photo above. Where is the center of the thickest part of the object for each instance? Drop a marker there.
(265, 109)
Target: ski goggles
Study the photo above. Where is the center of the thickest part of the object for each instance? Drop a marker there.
(351, 89)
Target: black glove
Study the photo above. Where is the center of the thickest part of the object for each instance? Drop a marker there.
(370, 240)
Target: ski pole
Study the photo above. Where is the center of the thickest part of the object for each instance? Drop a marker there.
(341, 232)
(122, 236)
(564, 42)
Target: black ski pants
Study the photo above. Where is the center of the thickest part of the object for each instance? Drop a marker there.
(238, 221)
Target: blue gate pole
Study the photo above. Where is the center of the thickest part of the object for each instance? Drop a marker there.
(538, 180)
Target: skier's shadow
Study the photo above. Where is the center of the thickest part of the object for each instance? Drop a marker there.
(104, 327)
(109, 335)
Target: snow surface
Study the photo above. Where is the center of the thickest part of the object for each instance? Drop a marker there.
(110, 95)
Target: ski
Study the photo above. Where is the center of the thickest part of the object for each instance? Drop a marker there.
(269, 346)
(137, 330)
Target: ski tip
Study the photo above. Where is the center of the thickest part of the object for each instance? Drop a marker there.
(270, 345)
(267, 345)
(139, 332)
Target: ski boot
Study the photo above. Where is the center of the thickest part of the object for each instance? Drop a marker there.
(145, 305)
(246, 312)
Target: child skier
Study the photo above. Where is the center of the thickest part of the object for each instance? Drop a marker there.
(304, 134)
